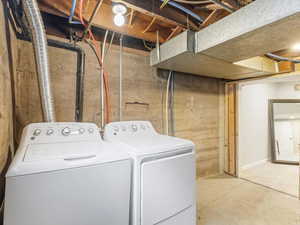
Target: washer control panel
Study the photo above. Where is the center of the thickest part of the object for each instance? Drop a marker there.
(127, 129)
(53, 132)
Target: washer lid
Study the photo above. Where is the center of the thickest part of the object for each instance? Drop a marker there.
(65, 151)
(48, 157)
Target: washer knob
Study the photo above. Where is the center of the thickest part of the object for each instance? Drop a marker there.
(81, 130)
(50, 132)
(37, 132)
(66, 131)
(116, 129)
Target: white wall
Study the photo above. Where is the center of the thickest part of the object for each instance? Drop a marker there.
(286, 90)
(253, 122)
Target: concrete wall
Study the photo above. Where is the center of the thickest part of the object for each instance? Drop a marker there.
(7, 41)
(253, 123)
(198, 101)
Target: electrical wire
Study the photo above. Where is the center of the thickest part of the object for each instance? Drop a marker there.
(146, 46)
(171, 105)
(105, 76)
(167, 103)
(110, 44)
(100, 64)
(102, 80)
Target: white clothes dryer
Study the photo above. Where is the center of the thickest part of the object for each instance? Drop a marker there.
(163, 176)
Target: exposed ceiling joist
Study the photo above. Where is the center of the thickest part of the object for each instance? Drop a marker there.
(216, 15)
(104, 19)
(152, 8)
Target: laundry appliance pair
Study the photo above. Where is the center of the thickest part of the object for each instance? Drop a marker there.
(66, 174)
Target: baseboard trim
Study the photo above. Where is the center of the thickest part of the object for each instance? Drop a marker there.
(251, 165)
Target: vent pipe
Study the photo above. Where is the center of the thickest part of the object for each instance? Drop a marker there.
(38, 37)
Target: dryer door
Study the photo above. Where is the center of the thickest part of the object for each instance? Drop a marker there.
(167, 189)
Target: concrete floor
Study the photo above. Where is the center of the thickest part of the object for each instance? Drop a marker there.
(224, 200)
(280, 177)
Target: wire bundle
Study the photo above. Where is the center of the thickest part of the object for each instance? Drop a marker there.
(100, 61)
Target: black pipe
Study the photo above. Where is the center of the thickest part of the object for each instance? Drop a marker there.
(80, 74)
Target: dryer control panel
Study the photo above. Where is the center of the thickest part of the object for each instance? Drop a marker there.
(128, 129)
(60, 132)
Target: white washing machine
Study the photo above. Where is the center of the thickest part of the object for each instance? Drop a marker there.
(164, 179)
(65, 174)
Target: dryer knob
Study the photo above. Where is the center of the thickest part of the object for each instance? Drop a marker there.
(37, 132)
(66, 131)
(134, 128)
(81, 130)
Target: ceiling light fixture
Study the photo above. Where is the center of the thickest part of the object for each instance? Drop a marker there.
(119, 20)
(119, 10)
(296, 47)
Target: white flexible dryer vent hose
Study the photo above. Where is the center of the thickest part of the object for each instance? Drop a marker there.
(39, 41)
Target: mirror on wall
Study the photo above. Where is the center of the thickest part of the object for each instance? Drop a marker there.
(285, 130)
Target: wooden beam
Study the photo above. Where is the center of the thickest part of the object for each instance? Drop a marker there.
(174, 31)
(216, 15)
(131, 17)
(152, 8)
(232, 3)
(149, 25)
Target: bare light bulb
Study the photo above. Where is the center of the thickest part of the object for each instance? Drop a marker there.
(119, 20)
(296, 47)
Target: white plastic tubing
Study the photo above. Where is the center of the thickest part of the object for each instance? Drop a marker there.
(39, 41)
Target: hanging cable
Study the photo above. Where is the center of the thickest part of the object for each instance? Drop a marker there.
(167, 103)
(102, 80)
(105, 78)
(171, 105)
(121, 79)
(146, 46)
(100, 64)
(110, 44)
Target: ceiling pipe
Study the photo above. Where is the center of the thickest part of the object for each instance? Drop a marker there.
(187, 11)
(193, 2)
(280, 58)
(39, 42)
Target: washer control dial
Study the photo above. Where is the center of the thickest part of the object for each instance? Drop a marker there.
(37, 132)
(50, 132)
(66, 131)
